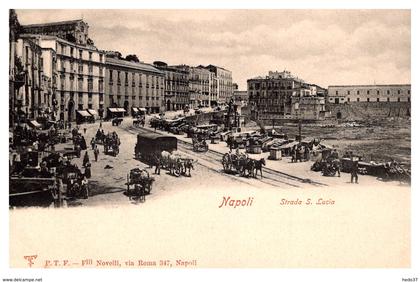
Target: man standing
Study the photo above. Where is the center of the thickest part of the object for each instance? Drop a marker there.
(92, 143)
(96, 153)
(354, 171)
(157, 163)
(85, 187)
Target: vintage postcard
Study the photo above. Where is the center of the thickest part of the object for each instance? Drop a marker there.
(209, 138)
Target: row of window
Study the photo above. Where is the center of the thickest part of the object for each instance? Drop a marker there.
(80, 51)
(154, 78)
(111, 98)
(377, 92)
(371, 100)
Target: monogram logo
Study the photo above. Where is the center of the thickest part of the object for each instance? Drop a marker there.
(29, 259)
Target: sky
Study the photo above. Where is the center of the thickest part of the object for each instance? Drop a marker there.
(325, 47)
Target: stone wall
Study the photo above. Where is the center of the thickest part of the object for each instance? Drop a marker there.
(366, 110)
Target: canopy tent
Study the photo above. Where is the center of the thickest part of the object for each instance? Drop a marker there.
(136, 110)
(142, 109)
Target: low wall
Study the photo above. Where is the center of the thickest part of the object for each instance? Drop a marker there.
(366, 110)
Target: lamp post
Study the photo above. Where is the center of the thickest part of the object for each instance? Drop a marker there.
(300, 121)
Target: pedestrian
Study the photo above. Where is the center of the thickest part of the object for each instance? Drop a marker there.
(157, 163)
(84, 130)
(85, 159)
(83, 143)
(100, 123)
(85, 187)
(96, 153)
(88, 172)
(354, 171)
(92, 143)
(334, 154)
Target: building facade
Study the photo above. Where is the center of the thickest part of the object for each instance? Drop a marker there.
(340, 94)
(29, 99)
(201, 85)
(280, 95)
(75, 31)
(240, 96)
(177, 94)
(79, 83)
(131, 84)
(222, 84)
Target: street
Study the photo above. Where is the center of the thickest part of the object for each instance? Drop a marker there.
(203, 217)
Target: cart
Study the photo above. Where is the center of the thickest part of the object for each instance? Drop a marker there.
(139, 184)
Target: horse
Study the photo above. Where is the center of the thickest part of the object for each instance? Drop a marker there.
(248, 165)
(258, 164)
(228, 160)
(188, 165)
(164, 157)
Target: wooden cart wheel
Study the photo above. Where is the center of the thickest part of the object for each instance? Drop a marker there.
(128, 184)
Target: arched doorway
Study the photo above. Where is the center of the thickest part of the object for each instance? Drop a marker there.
(168, 105)
(339, 115)
(70, 110)
(126, 104)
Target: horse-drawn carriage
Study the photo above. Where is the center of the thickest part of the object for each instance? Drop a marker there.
(72, 179)
(139, 121)
(117, 121)
(243, 165)
(151, 145)
(140, 183)
(176, 164)
(111, 144)
(329, 164)
(199, 144)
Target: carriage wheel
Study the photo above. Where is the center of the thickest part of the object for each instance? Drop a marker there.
(128, 184)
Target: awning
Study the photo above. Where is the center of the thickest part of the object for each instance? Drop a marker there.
(135, 109)
(34, 124)
(84, 113)
(116, 110)
(289, 145)
(142, 109)
(92, 112)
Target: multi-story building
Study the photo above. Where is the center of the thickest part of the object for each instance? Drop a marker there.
(280, 95)
(240, 96)
(75, 31)
(340, 94)
(177, 94)
(80, 76)
(131, 85)
(29, 98)
(223, 83)
(200, 84)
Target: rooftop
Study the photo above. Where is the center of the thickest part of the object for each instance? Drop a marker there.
(54, 23)
(371, 85)
(52, 37)
(134, 65)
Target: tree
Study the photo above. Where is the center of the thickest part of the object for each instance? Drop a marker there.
(132, 58)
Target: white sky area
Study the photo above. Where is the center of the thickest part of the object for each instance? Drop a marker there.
(325, 47)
